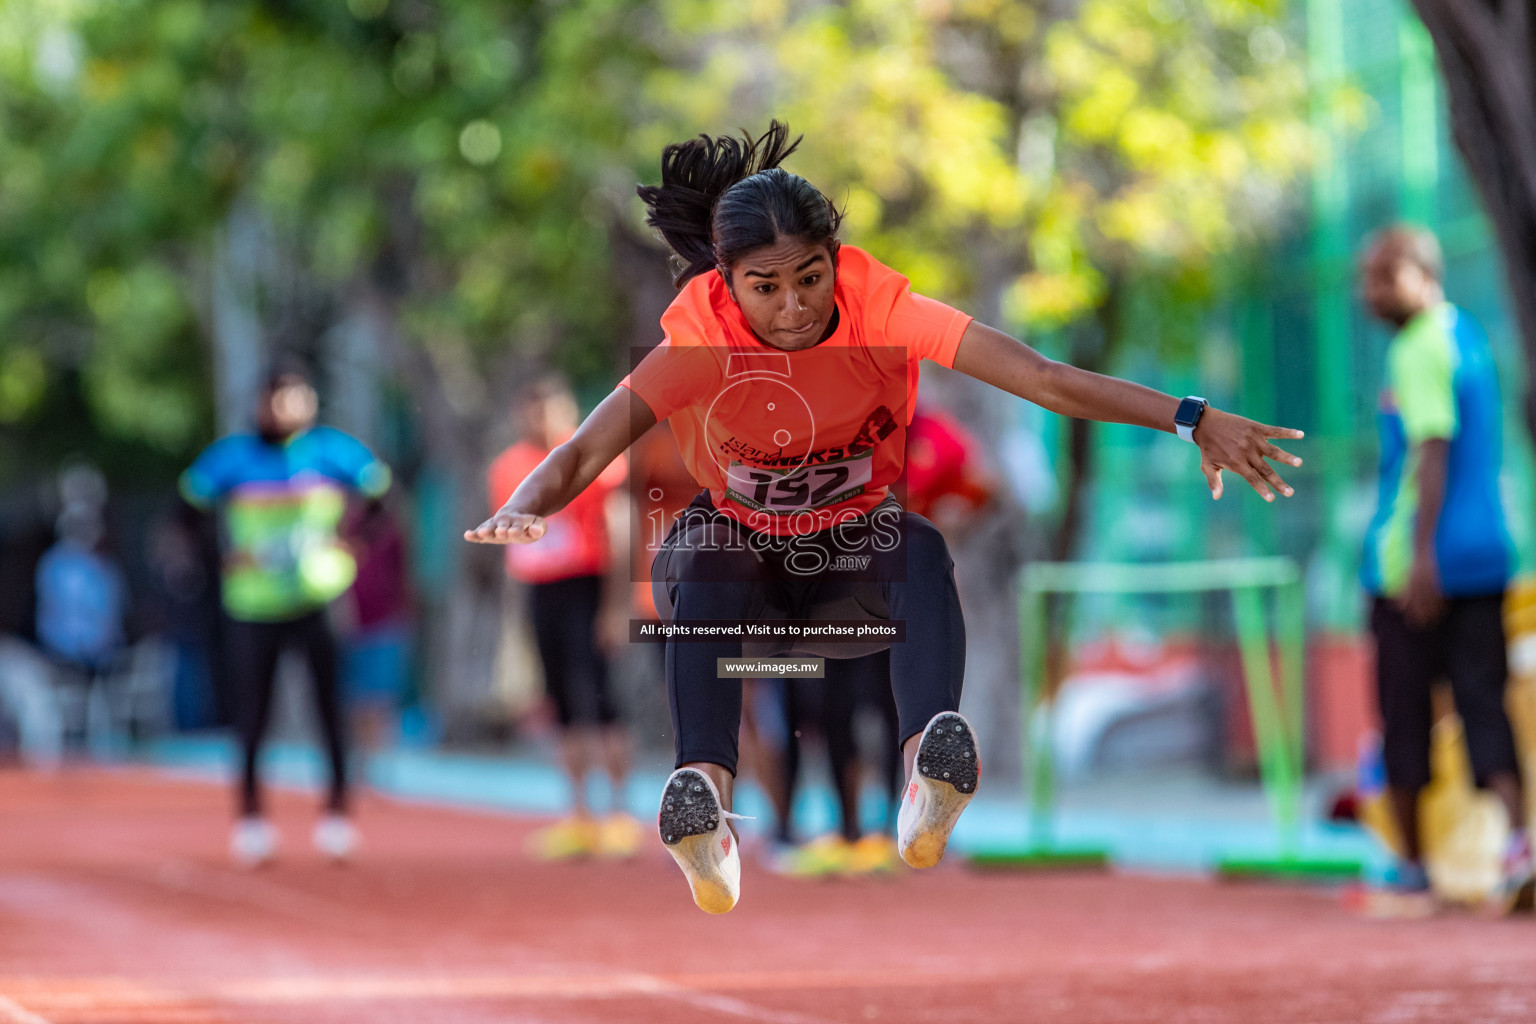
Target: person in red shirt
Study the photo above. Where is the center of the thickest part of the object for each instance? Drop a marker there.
(662, 489)
(376, 659)
(787, 373)
(578, 610)
(946, 480)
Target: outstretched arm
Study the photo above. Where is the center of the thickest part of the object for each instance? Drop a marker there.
(1226, 441)
(614, 425)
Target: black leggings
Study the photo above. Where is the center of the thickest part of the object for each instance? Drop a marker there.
(705, 571)
(253, 652)
(829, 706)
(1466, 645)
(564, 615)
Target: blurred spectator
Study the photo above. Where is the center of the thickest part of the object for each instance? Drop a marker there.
(829, 707)
(184, 567)
(578, 603)
(946, 482)
(378, 649)
(1437, 555)
(663, 488)
(281, 493)
(946, 478)
(82, 597)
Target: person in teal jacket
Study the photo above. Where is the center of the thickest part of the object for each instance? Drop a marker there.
(280, 493)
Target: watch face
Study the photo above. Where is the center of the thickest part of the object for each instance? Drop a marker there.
(1189, 412)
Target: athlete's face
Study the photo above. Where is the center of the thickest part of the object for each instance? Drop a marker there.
(1393, 285)
(550, 416)
(289, 408)
(785, 291)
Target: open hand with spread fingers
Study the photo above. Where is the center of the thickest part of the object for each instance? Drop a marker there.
(1235, 443)
(507, 527)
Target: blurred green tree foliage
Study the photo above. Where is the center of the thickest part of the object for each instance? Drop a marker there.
(460, 175)
(467, 163)
(1083, 168)
(1090, 141)
(464, 157)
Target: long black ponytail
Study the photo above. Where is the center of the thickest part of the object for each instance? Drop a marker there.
(721, 197)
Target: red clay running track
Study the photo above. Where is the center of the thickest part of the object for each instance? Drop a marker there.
(116, 907)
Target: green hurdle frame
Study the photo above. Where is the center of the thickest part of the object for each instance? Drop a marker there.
(1279, 721)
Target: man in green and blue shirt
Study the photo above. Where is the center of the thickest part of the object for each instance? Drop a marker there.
(280, 493)
(1437, 554)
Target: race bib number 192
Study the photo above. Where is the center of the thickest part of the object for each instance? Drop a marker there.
(808, 487)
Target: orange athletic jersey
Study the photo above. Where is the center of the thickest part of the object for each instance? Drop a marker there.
(575, 541)
(794, 442)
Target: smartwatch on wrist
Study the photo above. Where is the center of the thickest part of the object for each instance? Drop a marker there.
(1188, 416)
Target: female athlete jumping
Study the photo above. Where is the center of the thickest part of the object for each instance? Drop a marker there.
(787, 374)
